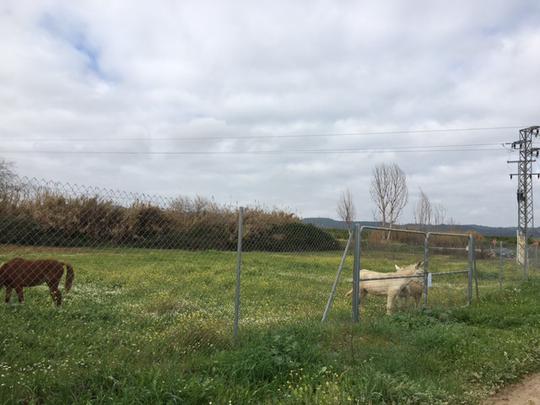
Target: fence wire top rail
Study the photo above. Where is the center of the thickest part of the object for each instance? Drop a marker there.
(445, 273)
(382, 228)
(416, 231)
(457, 235)
(389, 278)
(31, 187)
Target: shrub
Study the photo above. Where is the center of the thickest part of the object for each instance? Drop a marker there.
(44, 217)
(294, 237)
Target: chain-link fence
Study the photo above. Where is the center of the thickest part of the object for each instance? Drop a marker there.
(499, 268)
(395, 267)
(390, 273)
(452, 258)
(127, 256)
(160, 258)
(186, 264)
(286, 278)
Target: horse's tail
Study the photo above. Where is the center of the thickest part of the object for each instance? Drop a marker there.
(70, 275)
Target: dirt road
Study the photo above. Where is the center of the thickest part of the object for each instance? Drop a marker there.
(527, 392)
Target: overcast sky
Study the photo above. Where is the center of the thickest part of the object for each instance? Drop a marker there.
(128, 76)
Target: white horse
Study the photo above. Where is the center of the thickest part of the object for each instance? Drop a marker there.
(414, 287)
(393, 287)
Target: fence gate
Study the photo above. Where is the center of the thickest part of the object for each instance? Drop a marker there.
(435, 267)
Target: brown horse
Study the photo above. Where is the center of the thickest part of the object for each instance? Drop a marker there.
(18, 273)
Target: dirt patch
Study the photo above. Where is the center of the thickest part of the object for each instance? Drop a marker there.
(527, 392)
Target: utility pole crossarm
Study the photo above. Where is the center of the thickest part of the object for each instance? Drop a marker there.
(517, 161)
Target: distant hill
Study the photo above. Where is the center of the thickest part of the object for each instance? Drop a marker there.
(329, 223)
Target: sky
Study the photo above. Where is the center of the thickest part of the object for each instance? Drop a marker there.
(278, 103)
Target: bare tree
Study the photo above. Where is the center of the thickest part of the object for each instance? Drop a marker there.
(7, 178)
(346, 209)
(6, 174)
(389, 192)
(451, 222)
(423, 212)
(439, 214)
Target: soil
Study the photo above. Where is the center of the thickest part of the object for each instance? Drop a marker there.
(527, 392)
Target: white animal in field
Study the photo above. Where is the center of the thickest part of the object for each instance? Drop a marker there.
(414, 287)
(393, 288)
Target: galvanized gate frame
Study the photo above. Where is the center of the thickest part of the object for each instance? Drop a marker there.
(471, 271)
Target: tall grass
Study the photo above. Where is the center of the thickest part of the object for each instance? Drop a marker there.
(154, 326)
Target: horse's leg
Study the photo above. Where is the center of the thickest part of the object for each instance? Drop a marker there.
(417, 299)
(363, 297)
(20, 293)
(390, 302)
(8, 294)
(407, 296)
(401, 297)
(56, 295)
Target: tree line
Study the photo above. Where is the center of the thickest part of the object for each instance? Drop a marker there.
(390, 195)
(37, 215)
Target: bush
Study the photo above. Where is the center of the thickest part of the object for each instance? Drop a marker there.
(48, 218)
(292, 237)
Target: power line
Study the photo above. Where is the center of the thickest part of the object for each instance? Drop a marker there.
(264, 136)
(256, 152)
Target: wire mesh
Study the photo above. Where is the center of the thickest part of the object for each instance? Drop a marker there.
(288, 271)
(176, 257)
(163, 258)
(391, 274)
(145, 256)
(159, 273)
(449, 263)
(440, 267)
(498, 266)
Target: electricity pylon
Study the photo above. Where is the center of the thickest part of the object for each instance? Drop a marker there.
(527, 153)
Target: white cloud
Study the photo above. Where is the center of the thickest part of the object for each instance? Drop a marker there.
(100, 70)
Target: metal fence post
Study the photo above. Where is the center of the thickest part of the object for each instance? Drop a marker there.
(426, 268)
(475, 270)
(336, 281)
(238, 270)
(356, 275)
(501, 268)
(471, 268)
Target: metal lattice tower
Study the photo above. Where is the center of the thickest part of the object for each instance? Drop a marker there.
(525, 190)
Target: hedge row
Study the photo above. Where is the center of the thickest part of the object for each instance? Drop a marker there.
(49, 220)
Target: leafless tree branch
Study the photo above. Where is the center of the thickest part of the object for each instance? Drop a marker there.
(346, 209)
(423, 211)
(389, 192)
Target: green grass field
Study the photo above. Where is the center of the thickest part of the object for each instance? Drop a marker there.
(154, 326)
